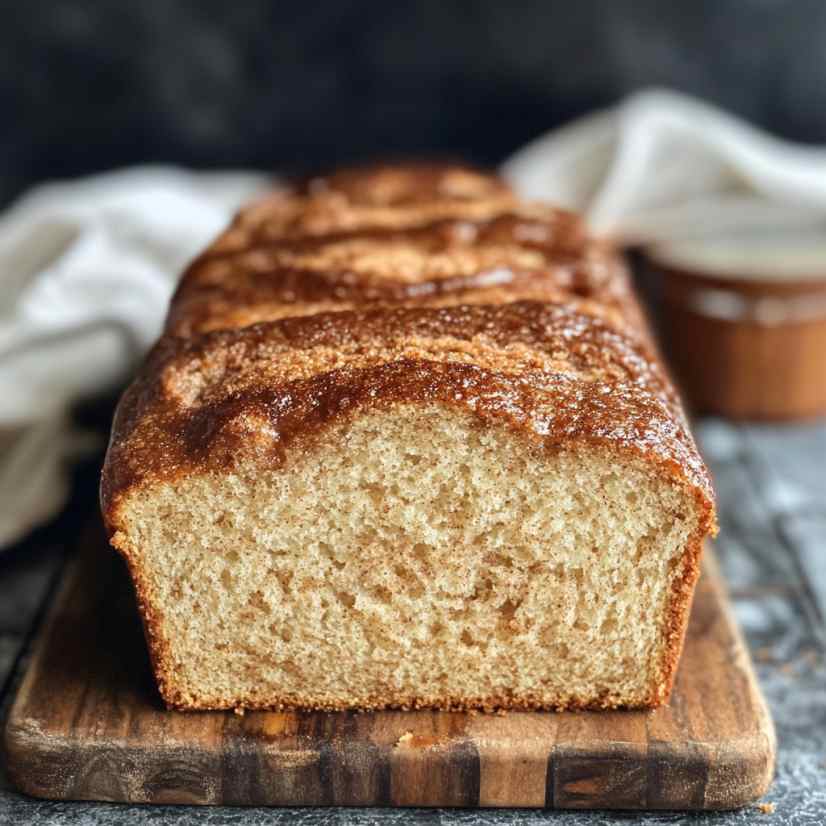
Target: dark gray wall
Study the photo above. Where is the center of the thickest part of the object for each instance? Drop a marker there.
(92, 85)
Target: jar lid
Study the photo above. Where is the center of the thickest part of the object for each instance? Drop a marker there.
(785, 257)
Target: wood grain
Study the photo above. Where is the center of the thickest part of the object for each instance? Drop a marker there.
(87, 724)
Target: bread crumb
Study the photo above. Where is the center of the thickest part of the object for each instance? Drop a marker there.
(239, 710)
(501, 712)
(407, 736)
(766, 808)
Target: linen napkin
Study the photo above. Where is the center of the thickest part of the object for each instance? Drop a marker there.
(86, 271)
(664, 168)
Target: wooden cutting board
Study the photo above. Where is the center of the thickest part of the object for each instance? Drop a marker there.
(87, 724)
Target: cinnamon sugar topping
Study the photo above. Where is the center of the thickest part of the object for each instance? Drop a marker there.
(547, 370)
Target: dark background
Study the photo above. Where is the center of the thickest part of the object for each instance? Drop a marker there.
(292, 85)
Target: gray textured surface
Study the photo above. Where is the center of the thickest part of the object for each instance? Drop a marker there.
(771, 483)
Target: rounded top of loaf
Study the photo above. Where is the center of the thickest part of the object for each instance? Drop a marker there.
(406, 182)
(546, 371)
(396, 235)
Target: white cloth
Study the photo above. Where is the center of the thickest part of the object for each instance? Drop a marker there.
(87, 271)
(662, 168)
(88, 266)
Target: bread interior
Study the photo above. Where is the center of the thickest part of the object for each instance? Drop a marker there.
(414, 556)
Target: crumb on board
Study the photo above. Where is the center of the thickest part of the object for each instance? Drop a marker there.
(239, 710)
(766, 808)
(407, 736)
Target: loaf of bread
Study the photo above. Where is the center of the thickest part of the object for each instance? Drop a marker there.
(405, 444)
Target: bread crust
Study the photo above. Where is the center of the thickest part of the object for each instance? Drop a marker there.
(250, 370)
(485, 251)
(202, 404)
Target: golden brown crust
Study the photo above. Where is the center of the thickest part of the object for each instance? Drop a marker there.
(208, 312)
(411, 182)
(206, 402)
(377, 198)
(519, 250)
(276, 282)
(411, 285)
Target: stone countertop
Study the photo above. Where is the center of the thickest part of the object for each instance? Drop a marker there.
(771, 484)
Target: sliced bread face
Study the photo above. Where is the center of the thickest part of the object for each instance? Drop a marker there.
(476, 506)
